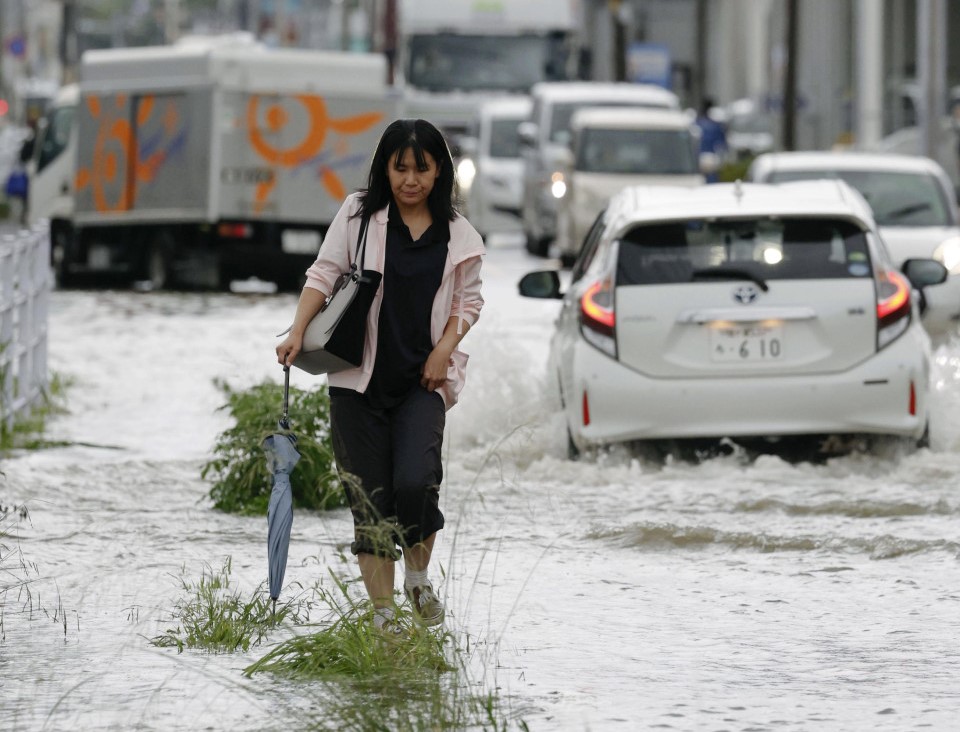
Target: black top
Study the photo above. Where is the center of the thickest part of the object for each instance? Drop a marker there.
(412, 272)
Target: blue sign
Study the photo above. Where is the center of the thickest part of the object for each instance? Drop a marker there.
(17, 46)
(649, 63)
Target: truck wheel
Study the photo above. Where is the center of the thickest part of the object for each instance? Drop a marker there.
(61, 254)
(158, 268)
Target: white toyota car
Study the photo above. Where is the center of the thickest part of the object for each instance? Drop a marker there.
(741, 311)
(913, 203)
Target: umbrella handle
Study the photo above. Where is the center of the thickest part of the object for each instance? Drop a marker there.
(284, 420)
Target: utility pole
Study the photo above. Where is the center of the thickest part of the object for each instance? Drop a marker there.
(790, 78)
(869, 73)
(700, 66)
(69, 45)
(931, 72)
(615, 8)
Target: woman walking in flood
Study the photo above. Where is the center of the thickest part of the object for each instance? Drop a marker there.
(387, 416)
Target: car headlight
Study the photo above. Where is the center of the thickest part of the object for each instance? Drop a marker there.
(466, 172)
(558, 185)
(948, 253)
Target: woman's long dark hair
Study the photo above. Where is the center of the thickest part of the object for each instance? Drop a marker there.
(419, 136)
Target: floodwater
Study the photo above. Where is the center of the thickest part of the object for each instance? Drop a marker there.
(612, 595)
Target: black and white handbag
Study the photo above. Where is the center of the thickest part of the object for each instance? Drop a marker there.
(334, 339)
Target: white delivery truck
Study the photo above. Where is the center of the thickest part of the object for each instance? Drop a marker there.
(211, 160)
(454, 54)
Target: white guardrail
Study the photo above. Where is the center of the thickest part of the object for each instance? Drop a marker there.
(25, 285)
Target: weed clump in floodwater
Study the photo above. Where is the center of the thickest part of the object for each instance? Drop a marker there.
(413, 679)
(214, 618)
(242, 482)
(26, 430)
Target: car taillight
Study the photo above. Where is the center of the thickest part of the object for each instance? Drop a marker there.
(893, 306)
(597, 317)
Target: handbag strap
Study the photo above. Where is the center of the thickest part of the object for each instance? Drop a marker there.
(361, 245)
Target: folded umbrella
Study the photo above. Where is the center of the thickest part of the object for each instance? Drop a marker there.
(282, 455)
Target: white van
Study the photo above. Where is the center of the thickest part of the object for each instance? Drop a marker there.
(491, 171)
(618, 147)
(546, 141)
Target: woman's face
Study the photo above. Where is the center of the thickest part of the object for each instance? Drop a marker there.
(409, 184)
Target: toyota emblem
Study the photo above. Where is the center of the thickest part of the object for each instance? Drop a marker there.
(746, 294)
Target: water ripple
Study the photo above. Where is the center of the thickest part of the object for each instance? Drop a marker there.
(655, 536)
(850, 508)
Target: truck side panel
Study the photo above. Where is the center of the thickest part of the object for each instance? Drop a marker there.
(173, 131)
(295, 157)
(143, 157)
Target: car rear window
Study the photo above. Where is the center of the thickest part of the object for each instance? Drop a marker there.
(766, 249)
(897, 199)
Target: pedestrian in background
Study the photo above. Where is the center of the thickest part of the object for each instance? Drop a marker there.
(387, 416)
(713, 140)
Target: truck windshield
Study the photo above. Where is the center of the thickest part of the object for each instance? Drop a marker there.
(55, 135)
(452, 62)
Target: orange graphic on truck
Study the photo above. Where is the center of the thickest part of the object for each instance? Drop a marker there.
(276, 117)
(118, 162)
(128, 152)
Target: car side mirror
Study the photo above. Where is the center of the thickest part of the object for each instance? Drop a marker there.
(924, 272)
(544, 284)
(528, 133)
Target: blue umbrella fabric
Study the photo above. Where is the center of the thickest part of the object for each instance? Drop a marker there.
(282, 456)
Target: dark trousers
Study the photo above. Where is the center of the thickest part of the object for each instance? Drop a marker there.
(389, 460)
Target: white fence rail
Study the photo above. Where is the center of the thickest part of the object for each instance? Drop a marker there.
(25, 284)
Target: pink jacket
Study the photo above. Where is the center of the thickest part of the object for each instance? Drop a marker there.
(458, 295)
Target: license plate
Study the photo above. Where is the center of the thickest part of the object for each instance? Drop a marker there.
(746, 343)
(296, 241)
(98, 257)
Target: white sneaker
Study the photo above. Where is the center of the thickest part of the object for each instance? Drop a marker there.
(427, 607)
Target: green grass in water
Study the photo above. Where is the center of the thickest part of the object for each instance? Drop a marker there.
(27, 431)
(238, 467)
(420, 679)
(215, 618)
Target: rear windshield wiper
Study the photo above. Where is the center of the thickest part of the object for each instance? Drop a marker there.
(729, 273)
(913, 208)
